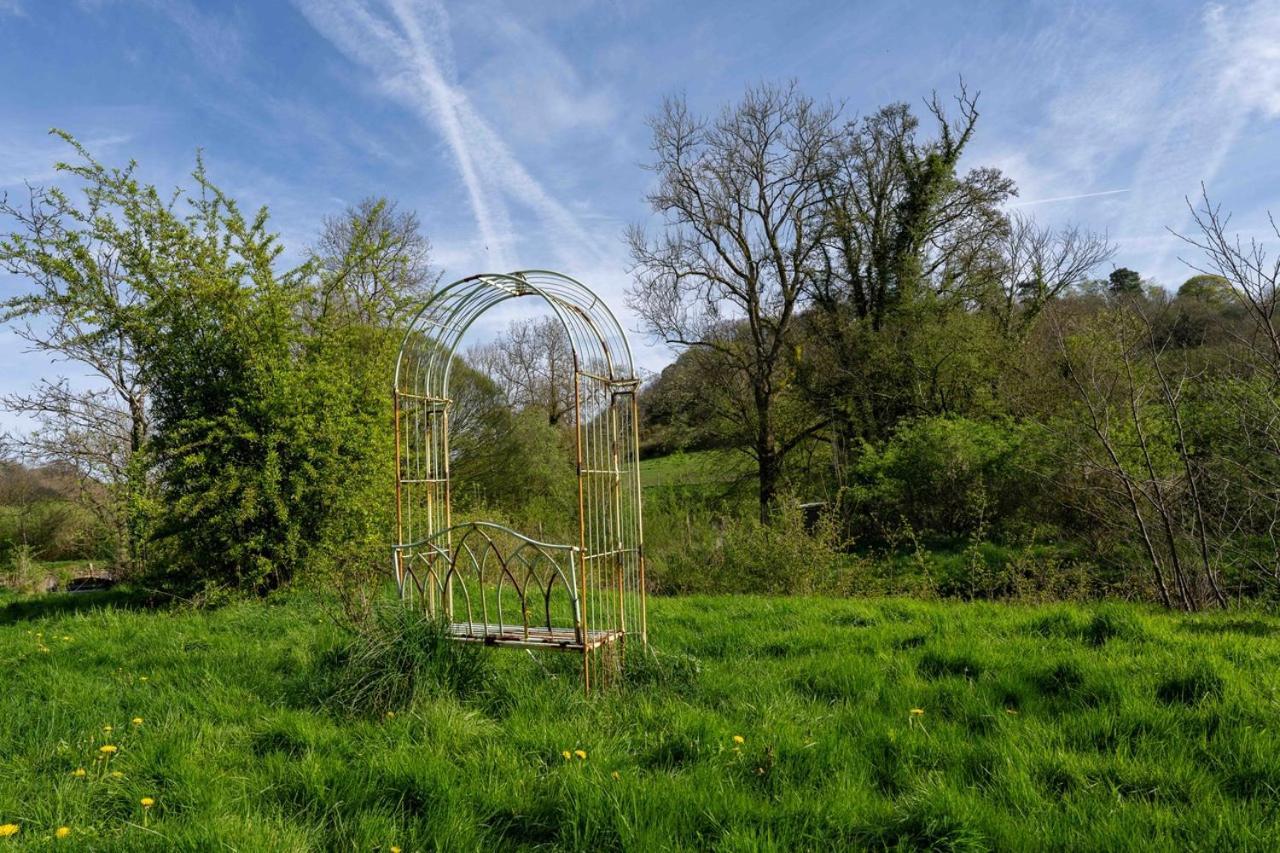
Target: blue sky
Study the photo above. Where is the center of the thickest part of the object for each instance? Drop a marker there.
(516, 130)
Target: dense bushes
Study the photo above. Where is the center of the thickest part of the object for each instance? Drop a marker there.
(947, 476)
(737, 553)
(269, 433)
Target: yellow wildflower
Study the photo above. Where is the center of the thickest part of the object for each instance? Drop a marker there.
(116, 774)
(739, 740)
(1011, 712)
(7, 829)
(67, 639)
(137, 721)
(147, 802)
(917, 712)
(567, 755)
(142, 678)
(108, 749)
(395, 850)
(62, 832)
(79, 773)
(107, 728)
(615, 775)
(581, 753)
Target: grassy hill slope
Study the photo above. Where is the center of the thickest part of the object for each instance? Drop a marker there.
(884, 723)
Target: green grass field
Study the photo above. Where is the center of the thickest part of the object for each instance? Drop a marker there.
(695, 468)
(1058, 727)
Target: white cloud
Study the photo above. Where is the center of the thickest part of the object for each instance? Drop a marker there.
(217, 40)
(1155, 117)
(1232, 79)
(535, 88)
(1245, 50)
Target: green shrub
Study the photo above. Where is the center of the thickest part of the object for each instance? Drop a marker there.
(989, 570)
(22, 573)
(783, 557)
(947, 476)
(522, 467)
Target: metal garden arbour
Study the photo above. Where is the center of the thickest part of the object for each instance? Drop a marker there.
(493, 584)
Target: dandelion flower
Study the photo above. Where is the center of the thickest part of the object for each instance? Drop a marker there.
(8, 829)
(917, 712)
(107, 728)
(142, 678)
(116, 774)
(739, 740)
(567, 755)
(615, 775)
(137, 721)
(62, 832)
(79, 773)
(147, 802)
(108, 749)
(581, 753)
(395, 850)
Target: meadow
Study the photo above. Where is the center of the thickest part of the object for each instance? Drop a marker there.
(761, 723)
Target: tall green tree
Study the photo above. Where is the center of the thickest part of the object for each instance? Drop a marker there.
(273, 418)
(232, 417)
(911, 244)
(1124, 282)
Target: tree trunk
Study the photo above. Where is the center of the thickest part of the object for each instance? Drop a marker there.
(768, 456)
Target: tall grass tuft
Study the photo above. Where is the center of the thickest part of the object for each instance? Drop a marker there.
(399, 654)
(647, 669)
(22, 573)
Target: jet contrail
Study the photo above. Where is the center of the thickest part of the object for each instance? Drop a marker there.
(1067, 197)
(410, 54)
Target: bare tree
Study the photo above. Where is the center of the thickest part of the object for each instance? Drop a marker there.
(374, 263)
(743, 208)
(87, 434)
(1246, 489)
(1253, 277)
(1140, 452)
(532, 363)
(1037, 264)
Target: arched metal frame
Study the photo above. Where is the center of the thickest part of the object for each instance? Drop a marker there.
(596, 585)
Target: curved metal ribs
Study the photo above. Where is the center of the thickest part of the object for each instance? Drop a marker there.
(497, 586)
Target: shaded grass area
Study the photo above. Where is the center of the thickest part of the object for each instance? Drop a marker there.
(1058, 727)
